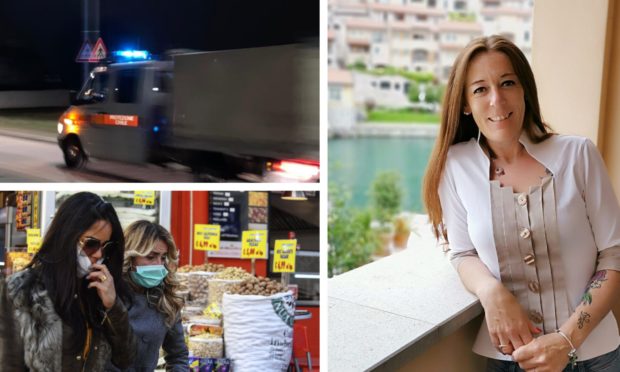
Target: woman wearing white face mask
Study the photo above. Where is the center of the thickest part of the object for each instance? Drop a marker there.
(64, 312)
(155, 312)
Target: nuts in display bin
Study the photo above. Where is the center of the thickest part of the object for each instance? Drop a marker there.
(209, 267)
(217, 288)
(206, 346)
(199, 286)
(233, 273)
(258, 286)
(183, 279)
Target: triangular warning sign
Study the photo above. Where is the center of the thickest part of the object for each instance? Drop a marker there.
(99, 52)
(85, 51)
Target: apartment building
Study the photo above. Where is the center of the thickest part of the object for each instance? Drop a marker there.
(420, 35)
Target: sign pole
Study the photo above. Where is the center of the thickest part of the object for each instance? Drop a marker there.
(286, 279)
(254, 267)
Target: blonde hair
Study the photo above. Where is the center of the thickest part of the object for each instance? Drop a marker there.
(457, 127)
(140, 239)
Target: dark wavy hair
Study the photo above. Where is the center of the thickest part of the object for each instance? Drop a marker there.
(56, 264)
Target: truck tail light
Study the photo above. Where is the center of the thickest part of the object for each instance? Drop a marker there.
(303, 170)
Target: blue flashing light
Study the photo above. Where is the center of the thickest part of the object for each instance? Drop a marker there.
(132, 55)
(156, 129)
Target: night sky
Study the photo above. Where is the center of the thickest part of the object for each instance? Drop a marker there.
(39, 40)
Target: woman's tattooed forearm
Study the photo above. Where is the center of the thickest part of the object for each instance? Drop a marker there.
(596, 281)
(583, 319)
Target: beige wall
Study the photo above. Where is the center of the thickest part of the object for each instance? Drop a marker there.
(568, 51)
(452, 353)
(576, 61)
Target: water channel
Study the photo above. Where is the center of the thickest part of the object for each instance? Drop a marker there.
(355, 162)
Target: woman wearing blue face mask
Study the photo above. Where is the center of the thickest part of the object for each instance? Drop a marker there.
(155, 312)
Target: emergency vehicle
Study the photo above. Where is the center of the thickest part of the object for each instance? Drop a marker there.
(248, 114)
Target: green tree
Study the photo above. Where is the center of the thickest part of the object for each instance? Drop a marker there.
(414, 91)
(351, 241)
(434, 93)
(386, 196)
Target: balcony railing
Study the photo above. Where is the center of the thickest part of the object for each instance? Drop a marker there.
(403, 311)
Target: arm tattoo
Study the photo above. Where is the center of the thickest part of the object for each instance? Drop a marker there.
(596, 282)
(583, 319)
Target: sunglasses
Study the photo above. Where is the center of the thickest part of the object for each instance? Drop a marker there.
(91, 245)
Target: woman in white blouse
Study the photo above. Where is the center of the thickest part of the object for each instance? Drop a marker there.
(531, 219)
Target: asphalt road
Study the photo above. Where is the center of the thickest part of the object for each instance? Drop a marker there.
(32, 160)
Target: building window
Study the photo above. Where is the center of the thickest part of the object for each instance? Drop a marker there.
(396, 86)
(420, 55)
(385, 85)
(526, 36)
(418, 37)
(334, 93)
(126, 89)
(460, 5)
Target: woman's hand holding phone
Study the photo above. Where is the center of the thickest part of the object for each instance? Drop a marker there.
(101, 279)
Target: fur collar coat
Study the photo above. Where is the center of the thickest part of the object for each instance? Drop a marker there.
(33, 336)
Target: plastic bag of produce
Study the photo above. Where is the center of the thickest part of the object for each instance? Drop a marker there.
(258, 331)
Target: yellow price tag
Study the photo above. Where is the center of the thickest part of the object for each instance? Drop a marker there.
(206, 237)
(284, 255)
(254, 244)
(144, 198)
(33, 239)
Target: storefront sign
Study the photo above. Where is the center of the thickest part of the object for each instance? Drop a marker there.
(206, 237)
(33, 239)
(144, 198)
(284, 256)
(254, 244)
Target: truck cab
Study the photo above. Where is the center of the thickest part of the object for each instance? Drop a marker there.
(120, 114)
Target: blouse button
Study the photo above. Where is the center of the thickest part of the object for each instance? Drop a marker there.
(529, 259)
(535, 316)
(522, 199)
(534, 286)
(79, 357)
(525, 233)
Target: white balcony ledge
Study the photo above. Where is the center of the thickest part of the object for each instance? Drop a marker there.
(396, 308)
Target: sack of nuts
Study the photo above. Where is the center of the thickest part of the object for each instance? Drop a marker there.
(257, 286)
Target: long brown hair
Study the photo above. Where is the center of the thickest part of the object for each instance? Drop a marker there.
(457, 127)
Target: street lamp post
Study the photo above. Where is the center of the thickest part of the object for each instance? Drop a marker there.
(90, 29)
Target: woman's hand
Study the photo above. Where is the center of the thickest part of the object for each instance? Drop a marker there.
(101, 279)
(545, 353)
(506, 320)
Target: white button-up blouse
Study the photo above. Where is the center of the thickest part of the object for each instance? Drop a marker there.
(546, 251)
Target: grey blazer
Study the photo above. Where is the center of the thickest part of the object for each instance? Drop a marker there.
(152, 333)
